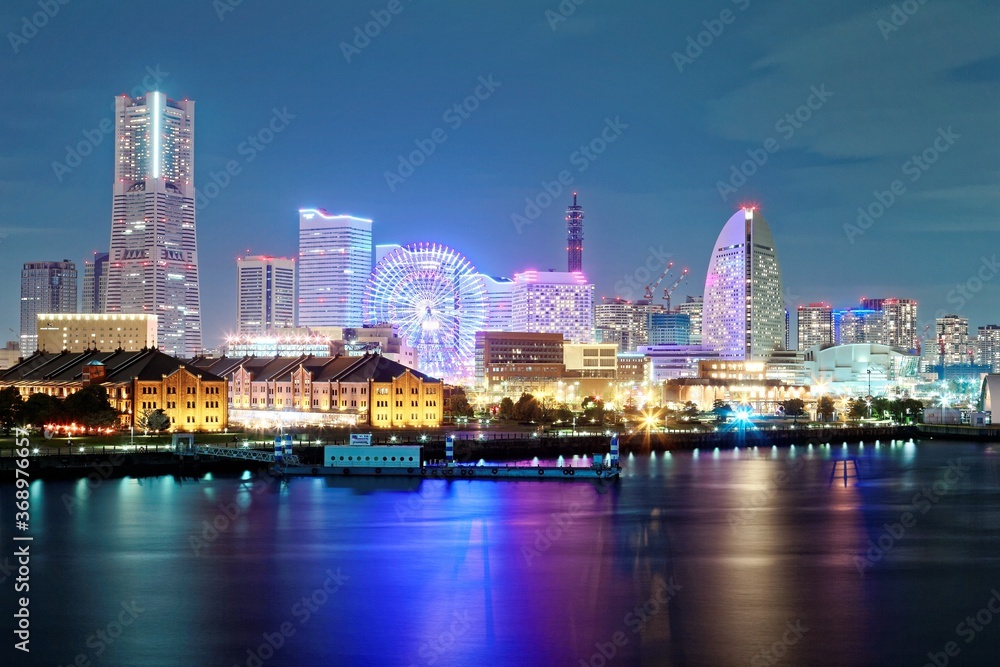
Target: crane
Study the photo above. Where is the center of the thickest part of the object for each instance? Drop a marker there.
(651, 288)
(668, 291)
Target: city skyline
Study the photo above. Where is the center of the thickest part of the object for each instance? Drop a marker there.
(659, 181)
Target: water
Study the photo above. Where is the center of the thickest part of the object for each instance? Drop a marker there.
(692, 559)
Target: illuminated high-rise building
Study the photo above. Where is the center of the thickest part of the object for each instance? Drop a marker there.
(46, 287)
(554, 302)
(153, 264)
(574, 237)
(94, 296)
(815, 325)
(265, 293)
(692, 307)
(988, 347)
(953, 340)
(859, 325)
(900, 320)
(744, 309)
(335, 260)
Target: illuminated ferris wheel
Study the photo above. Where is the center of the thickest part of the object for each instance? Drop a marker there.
(438, 301)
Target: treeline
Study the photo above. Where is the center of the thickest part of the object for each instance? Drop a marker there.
(89, 407)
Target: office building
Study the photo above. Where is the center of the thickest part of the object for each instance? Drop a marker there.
(692, 307)
(94, 292)
(46, 287)
(265, 292)
(669, 329)
(554, 302)
(499, 303)
(153, 263)
(744, 310)
(625, 323)
(591, 360)
(105, 332)
(335, 260)
(855, 326)
(814, 325)
(988, 347)
(518, 360)
(953, 340)
(900, 320)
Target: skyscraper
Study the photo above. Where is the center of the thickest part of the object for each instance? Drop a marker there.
(265, 293)
(94, 298)
(693, 307)
(900, 320)
(46, 287)
(814, 325)
(499, 303)
(335, 259)
(858, 325)
(988, 347)
(744, 310)
(624, 322)
(153, 264)
(953, 340)
(554, 302)
(574, 236)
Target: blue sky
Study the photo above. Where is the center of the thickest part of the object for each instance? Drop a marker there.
(884, 85)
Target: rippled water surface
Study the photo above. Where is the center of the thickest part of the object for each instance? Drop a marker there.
(747, 557)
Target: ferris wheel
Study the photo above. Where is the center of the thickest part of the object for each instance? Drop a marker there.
(438, 301)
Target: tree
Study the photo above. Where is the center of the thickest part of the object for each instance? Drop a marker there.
(506, 408)
(794, 407)
(593, 410)
(721, 410)
(460, 406)
(880, 407)
(11, 405)
(857, 408)
(689, 411)
(527, 408)
(41, 409)
(90, 406)
(825, 407)
(153, 420)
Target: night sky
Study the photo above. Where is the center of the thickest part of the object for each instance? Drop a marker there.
(885, 84)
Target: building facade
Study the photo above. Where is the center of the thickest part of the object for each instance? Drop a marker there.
(554, 302)
(153, 263)
(46, 287)
(518, 358)
(624, 322)
(136, 382)
(857, 326)
(265, 293)
(814, 325)
(988, 347)
(954, 348)
(96, 331)
(900, 320)
(574, 237)
(692, 307)
(744, 310)
(669, 329)
(330, 391)
(591, 360)
(94, 292)
(499, 303)
(335, 260)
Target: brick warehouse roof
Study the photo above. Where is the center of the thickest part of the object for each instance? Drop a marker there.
(120, 366)
(372, 367)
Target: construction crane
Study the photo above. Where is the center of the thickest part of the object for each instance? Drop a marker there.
(668, 291)
(651, 288)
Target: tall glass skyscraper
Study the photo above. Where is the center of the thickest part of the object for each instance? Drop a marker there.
(94, 297)
(265, 293)
(744, 311)
(46, 287)
(153, 267)
(335, 260)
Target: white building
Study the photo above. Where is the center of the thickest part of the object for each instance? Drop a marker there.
(624, 322)
(670, 362)
(265, 293)
(591, 360)
(153, 264)
(96, 331)
(988, 347)
(693, 307)
(744, 311)
(814, 325)
(46, 287)
(499, 303)
(844, 369)
(335, 259)
(554, 302)
(953, 340)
